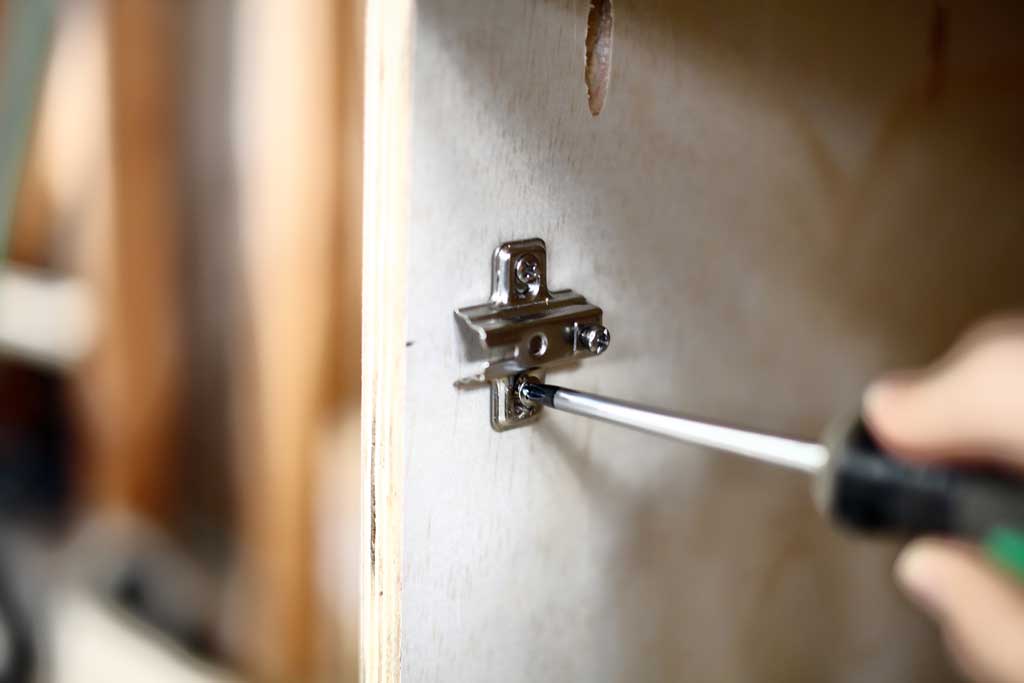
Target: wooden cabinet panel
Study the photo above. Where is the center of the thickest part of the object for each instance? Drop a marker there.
(776, 203)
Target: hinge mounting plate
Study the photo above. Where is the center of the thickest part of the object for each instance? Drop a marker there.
(525, 327)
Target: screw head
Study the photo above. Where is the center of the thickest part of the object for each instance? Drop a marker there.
(527, 270)
(595, 338)
(524, 407)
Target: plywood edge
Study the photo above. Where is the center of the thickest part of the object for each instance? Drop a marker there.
(389, 25)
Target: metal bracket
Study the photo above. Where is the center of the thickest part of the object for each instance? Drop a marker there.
(525, 327)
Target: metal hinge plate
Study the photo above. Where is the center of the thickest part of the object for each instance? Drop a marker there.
(525, 327)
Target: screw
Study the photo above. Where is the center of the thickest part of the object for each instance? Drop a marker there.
(520, 390)
(524, 407)
(594, 338)
(528, 273)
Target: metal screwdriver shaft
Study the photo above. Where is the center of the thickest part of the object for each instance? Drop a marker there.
(776, 450)
(855, 483)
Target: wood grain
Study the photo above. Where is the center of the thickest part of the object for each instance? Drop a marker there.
(385, 231)
(776, 203)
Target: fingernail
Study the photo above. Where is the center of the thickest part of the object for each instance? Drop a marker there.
(918, 571)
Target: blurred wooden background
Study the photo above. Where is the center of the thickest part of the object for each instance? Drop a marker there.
(198, 166)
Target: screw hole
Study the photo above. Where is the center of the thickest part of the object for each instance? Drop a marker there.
(538, 345)
(600, 25)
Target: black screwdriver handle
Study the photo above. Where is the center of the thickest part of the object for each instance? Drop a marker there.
(869, 490)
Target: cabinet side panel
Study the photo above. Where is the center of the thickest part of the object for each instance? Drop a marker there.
(385, 216)
(775, 203)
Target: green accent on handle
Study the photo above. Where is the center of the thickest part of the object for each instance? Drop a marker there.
(1006, 547)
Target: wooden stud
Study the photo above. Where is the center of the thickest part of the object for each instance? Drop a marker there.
(136, 364)
(292, 161)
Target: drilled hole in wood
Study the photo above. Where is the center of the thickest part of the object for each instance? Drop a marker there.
(600, 25)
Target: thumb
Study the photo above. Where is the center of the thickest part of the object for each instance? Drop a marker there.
(980, 609)
(967, 405)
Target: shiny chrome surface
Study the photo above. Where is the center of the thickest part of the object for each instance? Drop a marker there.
(528, 275)
(776, 450)
(594, 338)
(508, 409)
(524, 327)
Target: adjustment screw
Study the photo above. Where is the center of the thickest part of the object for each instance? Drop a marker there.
(528, 273)
(595, 338)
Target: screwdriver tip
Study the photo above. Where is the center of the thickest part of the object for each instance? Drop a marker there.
(534, 392)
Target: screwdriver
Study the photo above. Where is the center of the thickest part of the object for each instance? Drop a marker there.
(855, 483)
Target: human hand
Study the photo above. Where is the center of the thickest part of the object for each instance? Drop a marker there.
(971, 401)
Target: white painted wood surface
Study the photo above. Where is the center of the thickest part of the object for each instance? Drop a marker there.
(777, 202)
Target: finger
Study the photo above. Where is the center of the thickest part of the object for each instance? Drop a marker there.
(980, 608)
(970, 403)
